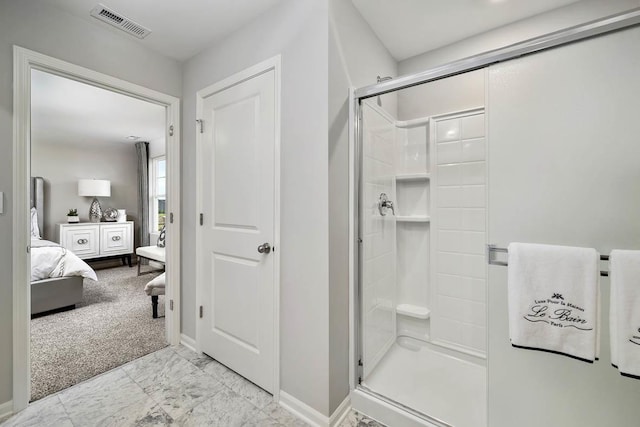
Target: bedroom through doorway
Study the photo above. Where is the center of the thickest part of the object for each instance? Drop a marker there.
(98, 210)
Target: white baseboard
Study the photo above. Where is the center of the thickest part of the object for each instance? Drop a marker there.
(6, 410)
(188, 342)
(310, 415)
(340, 413)
(302, 410)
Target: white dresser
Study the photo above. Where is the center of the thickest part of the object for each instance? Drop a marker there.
(91, 240)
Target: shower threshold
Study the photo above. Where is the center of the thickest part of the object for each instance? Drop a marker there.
(432, 382)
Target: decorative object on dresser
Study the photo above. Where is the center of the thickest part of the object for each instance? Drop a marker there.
(110, 214)
(98, 240)
(122, 215)
(94, 188)
(72, 216)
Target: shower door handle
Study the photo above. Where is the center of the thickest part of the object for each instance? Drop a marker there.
(264, 248)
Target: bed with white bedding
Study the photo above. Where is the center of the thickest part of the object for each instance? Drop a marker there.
(50, 260)
(56, 273)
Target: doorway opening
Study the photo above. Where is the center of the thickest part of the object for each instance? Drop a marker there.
(90, 309)
(97, 175)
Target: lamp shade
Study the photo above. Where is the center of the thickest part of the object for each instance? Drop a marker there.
(94, 187)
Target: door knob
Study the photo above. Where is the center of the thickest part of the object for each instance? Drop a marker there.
(264, 248)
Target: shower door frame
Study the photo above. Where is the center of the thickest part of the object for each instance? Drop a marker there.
(361, 394)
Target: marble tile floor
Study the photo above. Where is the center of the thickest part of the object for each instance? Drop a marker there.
(173, 386)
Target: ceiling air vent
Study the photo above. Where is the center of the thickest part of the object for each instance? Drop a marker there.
(107, 15)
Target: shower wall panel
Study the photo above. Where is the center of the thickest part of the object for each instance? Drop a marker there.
(459, 315)
(379, 237)
(413, 230)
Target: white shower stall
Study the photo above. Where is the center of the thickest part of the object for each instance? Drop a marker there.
(545, 151)
(423, 220)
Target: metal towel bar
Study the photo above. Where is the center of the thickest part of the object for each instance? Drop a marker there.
(493, 249)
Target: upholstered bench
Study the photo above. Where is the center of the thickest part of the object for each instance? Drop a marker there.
(152, 253)
(155, 288)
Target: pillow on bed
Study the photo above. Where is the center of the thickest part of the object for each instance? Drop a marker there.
(161, 238)
(35, 230)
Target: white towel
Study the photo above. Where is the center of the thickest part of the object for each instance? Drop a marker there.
(624, 315)
(553, 299)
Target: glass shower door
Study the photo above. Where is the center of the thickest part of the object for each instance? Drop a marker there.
(421, 265)
(378, 231)
(565, 170)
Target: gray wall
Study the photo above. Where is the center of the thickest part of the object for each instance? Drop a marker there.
(362, 54)
(565, 170)
(461, 92)
(544, 23)
(36, 26)
(62, 165)
(296, 29)
(356, 57)
(467, 90)
(338, 211)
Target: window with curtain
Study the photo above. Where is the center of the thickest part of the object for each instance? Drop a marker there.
(158, 193)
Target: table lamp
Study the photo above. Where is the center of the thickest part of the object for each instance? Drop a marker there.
(94, 188)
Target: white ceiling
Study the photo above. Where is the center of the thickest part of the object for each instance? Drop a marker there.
(183, 28)
(65, 111)
(180, 28)
(411, 27)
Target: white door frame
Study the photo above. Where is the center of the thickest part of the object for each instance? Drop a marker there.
(263, 67)
(24, 61)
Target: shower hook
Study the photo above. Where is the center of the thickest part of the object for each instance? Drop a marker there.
(380, 80)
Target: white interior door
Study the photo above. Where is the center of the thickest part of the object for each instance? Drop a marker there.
(237, 285)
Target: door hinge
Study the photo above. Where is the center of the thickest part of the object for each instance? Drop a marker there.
(201, 219)
(171, 130)
(28, 249)
(359, 380)
(201, 311)
(201, 123)
(359, 362)
(171, 218)
(171, 305)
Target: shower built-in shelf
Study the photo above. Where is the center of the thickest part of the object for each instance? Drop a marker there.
(413, 218)
(413, 177)
(413, 311)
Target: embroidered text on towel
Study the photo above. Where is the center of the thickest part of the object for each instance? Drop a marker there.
(557, 313)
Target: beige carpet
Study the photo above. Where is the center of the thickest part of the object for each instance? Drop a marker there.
(112, 326)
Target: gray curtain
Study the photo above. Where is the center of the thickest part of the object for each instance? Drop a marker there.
(142, 149)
